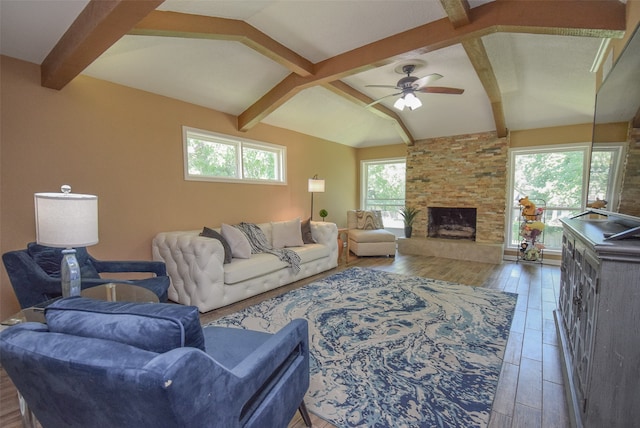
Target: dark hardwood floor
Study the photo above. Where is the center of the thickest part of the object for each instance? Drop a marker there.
(530, 391)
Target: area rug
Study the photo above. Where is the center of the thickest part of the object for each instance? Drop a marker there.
(389, 350)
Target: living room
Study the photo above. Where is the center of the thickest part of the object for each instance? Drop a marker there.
(125, 145)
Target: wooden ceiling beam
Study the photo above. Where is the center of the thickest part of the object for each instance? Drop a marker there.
(100, 24)
(480, 60)
(457, 11)
(174, 24)
(594, 18)
(340, 88)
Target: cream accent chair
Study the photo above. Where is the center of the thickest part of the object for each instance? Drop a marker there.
(369, 242)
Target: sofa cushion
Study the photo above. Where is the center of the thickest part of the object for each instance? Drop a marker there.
(312, 252)
(369, 236)
(240, 247)
(258, 265)
(210, 233)
(287, 233)
(155, 327)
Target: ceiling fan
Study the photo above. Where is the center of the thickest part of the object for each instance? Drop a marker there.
(409, 85)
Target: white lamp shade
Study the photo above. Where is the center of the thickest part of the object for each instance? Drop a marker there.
(399, 104)
(66, 220)
(316, 185)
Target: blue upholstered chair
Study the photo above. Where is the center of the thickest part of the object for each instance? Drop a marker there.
(35, 273)
(115, 364)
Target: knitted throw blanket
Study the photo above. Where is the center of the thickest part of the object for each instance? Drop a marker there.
(260, 244)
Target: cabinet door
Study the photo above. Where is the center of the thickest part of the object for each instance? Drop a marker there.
(567, 268)
(586, 306)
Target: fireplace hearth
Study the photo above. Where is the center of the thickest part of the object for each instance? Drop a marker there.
(452, 223)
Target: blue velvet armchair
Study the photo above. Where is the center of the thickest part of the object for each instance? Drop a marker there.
(115, 364)
(35, 273)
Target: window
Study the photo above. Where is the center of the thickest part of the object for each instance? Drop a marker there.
(216, 157)
(382, 188)
(555, 175)
(558, 176)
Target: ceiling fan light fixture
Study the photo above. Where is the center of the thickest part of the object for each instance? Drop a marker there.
(411, 101)
(400, 103)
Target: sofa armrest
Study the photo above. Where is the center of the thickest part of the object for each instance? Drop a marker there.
(325, 233)
(194, 264)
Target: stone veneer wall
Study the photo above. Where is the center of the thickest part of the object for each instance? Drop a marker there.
(630, 193)
(467, 171)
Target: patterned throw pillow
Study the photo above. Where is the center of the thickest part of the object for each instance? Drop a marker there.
(369, 220)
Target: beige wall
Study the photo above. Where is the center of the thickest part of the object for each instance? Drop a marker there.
(125, 146)
(554, 135)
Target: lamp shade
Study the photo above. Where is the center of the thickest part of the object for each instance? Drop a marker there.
(66, 220)
(316, 185)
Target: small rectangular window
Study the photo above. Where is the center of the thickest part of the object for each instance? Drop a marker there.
(215, 157)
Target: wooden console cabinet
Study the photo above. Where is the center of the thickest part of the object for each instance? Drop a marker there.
(598, 320)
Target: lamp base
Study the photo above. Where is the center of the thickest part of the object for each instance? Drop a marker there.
(70, 273)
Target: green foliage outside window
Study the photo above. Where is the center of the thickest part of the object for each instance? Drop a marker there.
(214, 157)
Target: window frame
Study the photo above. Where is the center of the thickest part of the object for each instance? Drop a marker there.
(240, 143)
(512, 204)
(615, 177)
(364, 179)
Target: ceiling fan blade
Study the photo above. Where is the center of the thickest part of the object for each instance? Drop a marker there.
(424, 81)
(380, 99)
(440, 90)
(381, 86)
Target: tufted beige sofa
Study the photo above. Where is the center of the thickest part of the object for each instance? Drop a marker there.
(200, 278)
(367, 242)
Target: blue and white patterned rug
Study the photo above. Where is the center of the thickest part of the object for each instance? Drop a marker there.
(389, 350)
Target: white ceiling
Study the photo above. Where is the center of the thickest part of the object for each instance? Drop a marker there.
(544, 80)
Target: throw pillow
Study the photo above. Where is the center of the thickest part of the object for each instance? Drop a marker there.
(49, 259)
(210, 233)
(287, 233)
(155, 327)
(240, 247)
(369, 220)
(305, 230)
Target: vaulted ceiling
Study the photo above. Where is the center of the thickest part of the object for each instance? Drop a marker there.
(306, 65)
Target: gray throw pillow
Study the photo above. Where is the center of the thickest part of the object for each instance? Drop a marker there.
(305, 228)
(210, 233)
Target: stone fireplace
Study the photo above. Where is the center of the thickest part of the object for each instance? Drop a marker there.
(451, 223)
(467, 171)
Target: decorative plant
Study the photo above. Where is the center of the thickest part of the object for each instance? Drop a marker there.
(323, 213)
(409, 215)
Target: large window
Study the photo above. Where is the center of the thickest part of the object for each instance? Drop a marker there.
(383, 185)
(215, 157)
(553, 177)
(556, 177)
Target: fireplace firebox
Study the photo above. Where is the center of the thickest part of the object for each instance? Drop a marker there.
(452, 223)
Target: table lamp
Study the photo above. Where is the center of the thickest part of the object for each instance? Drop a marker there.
(67, 220)
(315, 185)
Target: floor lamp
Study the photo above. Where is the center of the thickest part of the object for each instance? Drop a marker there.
(66, 220)
(316, 185)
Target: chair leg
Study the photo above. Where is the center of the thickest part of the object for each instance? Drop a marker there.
(305, 414)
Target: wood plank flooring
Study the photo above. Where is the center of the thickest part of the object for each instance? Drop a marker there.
(530, 391)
